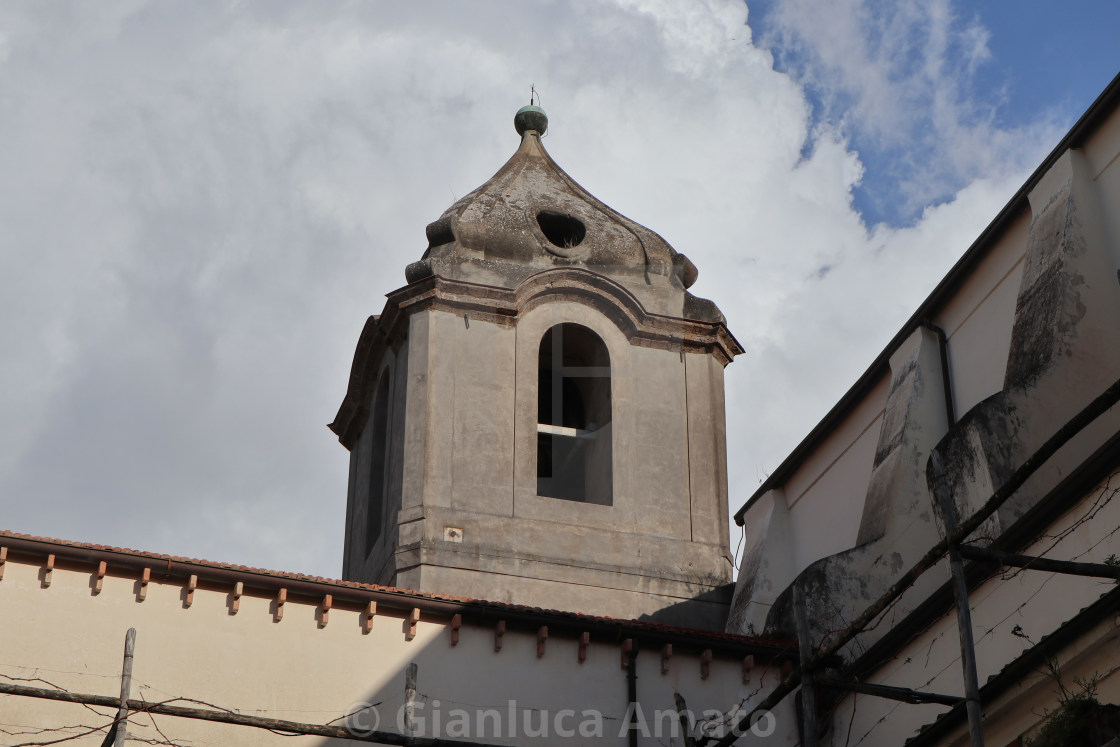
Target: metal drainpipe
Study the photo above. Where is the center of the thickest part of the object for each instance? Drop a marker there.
(632, 693)
(946, 381)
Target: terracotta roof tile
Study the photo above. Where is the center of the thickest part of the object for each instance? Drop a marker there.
(480, 603)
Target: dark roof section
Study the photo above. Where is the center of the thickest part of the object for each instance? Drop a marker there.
(1093, 116)
(354, 594)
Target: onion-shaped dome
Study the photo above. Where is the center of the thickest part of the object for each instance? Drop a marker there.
(531, 216)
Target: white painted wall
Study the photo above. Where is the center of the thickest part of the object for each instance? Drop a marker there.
(826, 494)
(977, 320)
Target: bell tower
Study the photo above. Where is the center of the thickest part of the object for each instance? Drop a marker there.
(537, 417)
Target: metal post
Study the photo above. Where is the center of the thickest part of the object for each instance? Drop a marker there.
(964, 613)
(808, 684)
(121, 726)
(968, 650)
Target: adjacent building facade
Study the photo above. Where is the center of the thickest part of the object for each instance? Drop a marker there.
(995, 401)
(228, 655)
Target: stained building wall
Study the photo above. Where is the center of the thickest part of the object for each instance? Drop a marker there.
(1031, 334)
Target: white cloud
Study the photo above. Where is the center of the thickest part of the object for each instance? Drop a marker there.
(902, 78)
(202, 206)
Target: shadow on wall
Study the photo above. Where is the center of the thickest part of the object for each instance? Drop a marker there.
(707, 611)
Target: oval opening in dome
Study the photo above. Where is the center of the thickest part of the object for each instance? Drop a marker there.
(561, 230)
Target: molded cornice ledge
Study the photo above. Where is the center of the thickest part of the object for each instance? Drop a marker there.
(503, 306)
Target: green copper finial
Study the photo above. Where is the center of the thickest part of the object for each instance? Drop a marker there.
(530, 118)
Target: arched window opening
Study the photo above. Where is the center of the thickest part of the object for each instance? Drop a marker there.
(574, 416)
(379, 432)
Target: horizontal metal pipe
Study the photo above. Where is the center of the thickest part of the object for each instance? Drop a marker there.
(1035, 563)
(905, 694)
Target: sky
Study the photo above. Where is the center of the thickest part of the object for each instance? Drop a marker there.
(201, 203)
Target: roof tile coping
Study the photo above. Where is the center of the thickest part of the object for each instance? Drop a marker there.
(559, 621)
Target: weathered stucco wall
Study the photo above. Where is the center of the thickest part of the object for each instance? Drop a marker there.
(815, 514)
(1005, 609)
(977, 320)
(377, 564)
(826, 495)
(1033, 336)
(464, 420)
